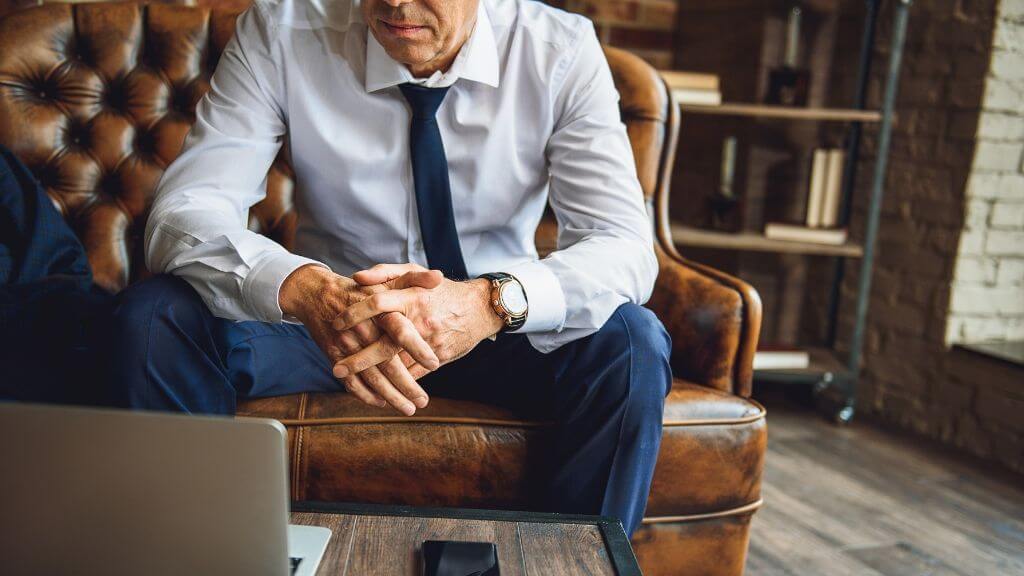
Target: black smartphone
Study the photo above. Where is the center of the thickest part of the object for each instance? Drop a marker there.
(447, 558)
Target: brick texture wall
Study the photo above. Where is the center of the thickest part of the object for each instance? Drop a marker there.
(987, 301)
(954, 167)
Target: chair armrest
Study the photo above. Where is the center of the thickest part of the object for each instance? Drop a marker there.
(714, 320)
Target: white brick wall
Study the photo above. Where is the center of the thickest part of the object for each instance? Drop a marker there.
(987, 299)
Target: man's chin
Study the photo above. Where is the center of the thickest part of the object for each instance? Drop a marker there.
(410, 58)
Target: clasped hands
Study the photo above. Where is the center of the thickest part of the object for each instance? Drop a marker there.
(388, 326)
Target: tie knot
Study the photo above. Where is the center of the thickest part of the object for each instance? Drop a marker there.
(423, 101)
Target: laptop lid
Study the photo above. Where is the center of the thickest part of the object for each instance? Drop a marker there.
(89, 491)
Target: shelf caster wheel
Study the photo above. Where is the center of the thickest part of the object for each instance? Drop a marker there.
(844, 416)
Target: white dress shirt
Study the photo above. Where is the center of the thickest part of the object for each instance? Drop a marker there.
(531, 117)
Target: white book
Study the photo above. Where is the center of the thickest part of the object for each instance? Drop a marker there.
(781, 359)
(793, 233)
(833, 188)
(697, 97)
(816, 198)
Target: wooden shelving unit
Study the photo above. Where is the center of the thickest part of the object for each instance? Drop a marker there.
(755, 242)
(785, 112)
(834, 376)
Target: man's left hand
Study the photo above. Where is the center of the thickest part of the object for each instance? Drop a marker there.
(452, 317)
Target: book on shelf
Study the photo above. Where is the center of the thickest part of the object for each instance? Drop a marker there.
(693, 87)
(816, 197)
(697, 97)
(825, 188)
(833, 188)
(770, 357)
(797, 233)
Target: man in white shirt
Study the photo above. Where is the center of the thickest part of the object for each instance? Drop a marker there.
(427, 137)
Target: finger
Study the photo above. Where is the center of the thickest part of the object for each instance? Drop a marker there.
(393, 370)
(355, 386)
(369, 356)
(399, 376)
(366, 332)
(380, 303)
(381, 273)
(354, 383)
(374, 384)
(387, 389)
(404, 333)
(334, 354)
(419, 279)
(415, 369)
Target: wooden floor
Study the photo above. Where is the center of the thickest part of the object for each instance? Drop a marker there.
(860, 500)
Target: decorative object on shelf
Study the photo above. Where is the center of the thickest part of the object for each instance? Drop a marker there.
(787, 84)
(769, 357)
(724, 200)
(794, 233)
(693, 87)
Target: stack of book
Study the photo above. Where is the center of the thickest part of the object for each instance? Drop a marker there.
(693, 87)
(821, 225)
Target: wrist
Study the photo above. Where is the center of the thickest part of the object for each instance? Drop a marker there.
(492, 320)
(297, 288)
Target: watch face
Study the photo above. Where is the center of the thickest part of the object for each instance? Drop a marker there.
(513, 298)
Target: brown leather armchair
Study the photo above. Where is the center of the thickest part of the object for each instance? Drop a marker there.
(97, 98)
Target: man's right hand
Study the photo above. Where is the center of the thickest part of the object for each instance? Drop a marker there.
(315, 296)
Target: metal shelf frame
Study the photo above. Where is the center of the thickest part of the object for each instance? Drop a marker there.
(835, 379)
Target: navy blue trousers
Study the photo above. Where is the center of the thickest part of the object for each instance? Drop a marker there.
(605, 392)
(53, 319)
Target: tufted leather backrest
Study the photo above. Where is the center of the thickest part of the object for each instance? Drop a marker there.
(96, 99)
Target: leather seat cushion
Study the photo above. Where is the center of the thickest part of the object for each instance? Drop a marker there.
(467, 454)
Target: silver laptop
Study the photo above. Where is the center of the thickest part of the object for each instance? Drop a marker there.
(86, 491)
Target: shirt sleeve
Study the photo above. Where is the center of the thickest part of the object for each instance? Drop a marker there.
(605, 254)
(197, 228)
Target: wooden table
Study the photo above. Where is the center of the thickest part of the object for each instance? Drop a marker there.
(372, 539)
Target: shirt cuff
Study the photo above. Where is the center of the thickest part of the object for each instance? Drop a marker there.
(262, 286)
(544, 297)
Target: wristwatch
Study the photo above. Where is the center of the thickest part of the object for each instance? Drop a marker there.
(508, 299)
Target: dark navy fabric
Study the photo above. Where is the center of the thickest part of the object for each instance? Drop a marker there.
(605, 393)
(430, 178)
(52, 318)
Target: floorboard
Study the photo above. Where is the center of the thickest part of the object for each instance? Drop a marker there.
(866, 501)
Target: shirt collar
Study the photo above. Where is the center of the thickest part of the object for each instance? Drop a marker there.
(477, 59)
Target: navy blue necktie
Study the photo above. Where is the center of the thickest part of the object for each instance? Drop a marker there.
(430, 177)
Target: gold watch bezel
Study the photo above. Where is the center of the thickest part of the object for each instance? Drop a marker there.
(499, 307)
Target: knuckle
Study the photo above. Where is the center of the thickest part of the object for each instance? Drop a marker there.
(376, 302)
(431, 322)
(348, 342)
